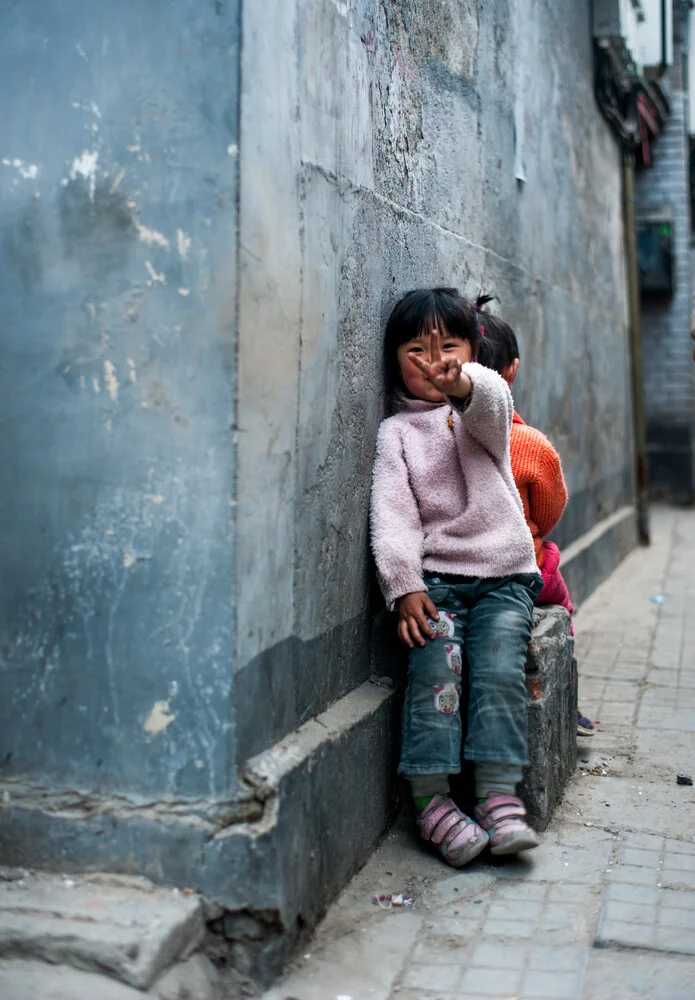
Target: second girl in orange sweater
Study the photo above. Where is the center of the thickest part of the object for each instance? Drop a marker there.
(537, 472)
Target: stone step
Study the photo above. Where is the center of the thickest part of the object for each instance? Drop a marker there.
(28, 979)
(124, 927)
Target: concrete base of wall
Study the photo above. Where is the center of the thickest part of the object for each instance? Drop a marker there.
(275, 875)
(551, 682)
(591, 559)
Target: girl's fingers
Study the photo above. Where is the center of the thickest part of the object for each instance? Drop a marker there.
(403, 633)
(415, 631)
(431, 610)
(425, 628)
(421, 364)
(435, 352)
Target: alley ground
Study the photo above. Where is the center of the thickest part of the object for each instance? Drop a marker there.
(606, 906)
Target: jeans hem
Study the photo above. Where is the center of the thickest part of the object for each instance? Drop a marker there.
(494, 759)
(413, 772)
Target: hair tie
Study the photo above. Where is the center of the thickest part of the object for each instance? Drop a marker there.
(482, 330)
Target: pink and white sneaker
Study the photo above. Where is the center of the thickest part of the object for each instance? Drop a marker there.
(504, 819)
(457, 837)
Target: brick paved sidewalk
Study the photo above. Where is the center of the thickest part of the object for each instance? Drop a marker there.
(606, 906)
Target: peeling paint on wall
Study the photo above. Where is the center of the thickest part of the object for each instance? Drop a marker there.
(30, 171)
(159, 718)
(155, 276)
(151, 237)
(85, 166)
(111, 380)
(183, 243)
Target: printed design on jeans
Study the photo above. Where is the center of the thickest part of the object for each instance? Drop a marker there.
(453, 658)
(444, 627)
(446, 698)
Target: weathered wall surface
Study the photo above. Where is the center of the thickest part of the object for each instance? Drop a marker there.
(668, 369)
(380, 147)
(118, 233)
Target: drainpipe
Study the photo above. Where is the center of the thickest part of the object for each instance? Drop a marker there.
(635, 338)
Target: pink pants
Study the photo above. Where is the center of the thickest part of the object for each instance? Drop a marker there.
(554, 587)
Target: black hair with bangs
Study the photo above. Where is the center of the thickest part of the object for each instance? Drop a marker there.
(504, 347)
(422, 310)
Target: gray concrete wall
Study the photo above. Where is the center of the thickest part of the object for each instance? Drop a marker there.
(118, 235)
(380, 144)
(668, 370)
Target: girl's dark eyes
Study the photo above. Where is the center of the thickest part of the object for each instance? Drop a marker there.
(445, 347)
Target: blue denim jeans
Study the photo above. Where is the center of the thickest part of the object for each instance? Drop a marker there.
(484, 626)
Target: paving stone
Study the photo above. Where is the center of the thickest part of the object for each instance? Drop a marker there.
(563, 924)
(523, 910)
(491, 982)
(433, 977)
(422, 994)
(579, 861)
(634, 976)
(440, 949)
(639, 895)
(643, 841)
(625, 913)
(99, 924)
(464, 927)
(519, 891)
(579, 896)
(636, 876)
(558, 959)
(640, 858)
(679, 847)
(672, 899)
(555, 985)
(613, 933)
(459, 889)
(633, 916)
(634, 803)
(491, 956)
(509, 930)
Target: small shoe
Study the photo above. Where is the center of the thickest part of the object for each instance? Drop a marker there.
(585, 727)
(456, 836)
(504, 818)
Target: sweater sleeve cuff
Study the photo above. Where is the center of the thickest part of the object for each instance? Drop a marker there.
(398, 586)
(461, 404)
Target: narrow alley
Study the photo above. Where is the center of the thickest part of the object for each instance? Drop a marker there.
(605, 907)
(309, 309)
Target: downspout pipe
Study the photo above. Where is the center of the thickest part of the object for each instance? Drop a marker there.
(639, 432)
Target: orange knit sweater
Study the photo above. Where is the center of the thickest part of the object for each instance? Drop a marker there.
(538, 476)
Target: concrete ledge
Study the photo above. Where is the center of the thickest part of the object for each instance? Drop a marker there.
(287, 866)
(551, 682)
(591, 559)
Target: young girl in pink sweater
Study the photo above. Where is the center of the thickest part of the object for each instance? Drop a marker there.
(456, 559)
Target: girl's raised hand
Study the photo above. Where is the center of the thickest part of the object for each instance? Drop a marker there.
(444, 373)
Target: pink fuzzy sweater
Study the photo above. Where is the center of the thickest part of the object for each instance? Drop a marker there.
(443, 494)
